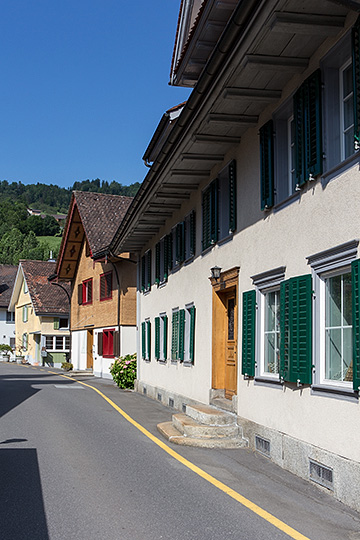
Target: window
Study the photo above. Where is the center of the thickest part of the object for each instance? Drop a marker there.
(106, 286)
(146, 271)
(146, 339)
(60, 323)
(10, 316)
(183, 334)
(85, 292)
(108, 343)
(57, 343)
(219, 207)
(336, 315)
(291, 144)
(25, 314)
(161, 337)
(26, 290)
(346, 110)
(25, 338)
(161, 260)
(286, 318)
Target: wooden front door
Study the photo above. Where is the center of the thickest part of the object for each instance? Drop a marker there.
(230, 345)
(89, 349)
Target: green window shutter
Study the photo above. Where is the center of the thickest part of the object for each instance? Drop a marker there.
(170, 251)
(248, 334)
(308, 130)
(206, 219)
(175, 336)
(157, 338)
(313, 125)
(296, 329)
(143, 340)
(143, 278)
(180, 242)
(157, 263)
(56, 324)
(355, 274)
(356, 77)
(166, 257)
(148, 332)
(165, 336)
(267, 165)
(232, 197)
(192, 223)
(148, 260)
(214, 211)
(192, 334)
(181, 334)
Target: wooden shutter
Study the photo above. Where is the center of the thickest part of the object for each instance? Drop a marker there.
(157, 338)
(175, 336)
(56, 324)
(143, 340)
(355, 274)
(356, 77)
(157, 263)
(296, 329)
(180, 242)
(143, 278)
(148, 262)
(192, 334)
(192, 233)
(214, 211)
(267, 165)
(232, 197)
(100, 344)
(206, 219)
(106, 286)
(308, 131)
(181, 334)
(89, 291)
(165, 336)
(248, 334)
(116, 344)
(148, 339)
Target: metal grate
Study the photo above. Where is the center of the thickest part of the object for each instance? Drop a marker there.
(171, 402)
(262, 445)
(159, 396)
(144, 390)
(184, 407)
(321, 474)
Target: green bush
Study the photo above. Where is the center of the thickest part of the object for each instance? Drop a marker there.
(67, 366)
(123, 371)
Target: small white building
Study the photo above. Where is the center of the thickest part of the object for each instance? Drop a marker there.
(7, 318)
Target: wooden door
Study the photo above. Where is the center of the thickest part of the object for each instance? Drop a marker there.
(89, 350)
(230, 345)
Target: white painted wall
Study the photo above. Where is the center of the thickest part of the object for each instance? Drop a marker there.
(127, 346)
(7, 330)
(78, 349)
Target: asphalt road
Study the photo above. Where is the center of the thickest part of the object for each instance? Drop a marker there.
(72, 467)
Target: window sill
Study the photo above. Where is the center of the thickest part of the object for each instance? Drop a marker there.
(332, 391)
(351, 160)
(162, 284)
(226, 239)
(104, 299)
(263, 380)
(285, 202)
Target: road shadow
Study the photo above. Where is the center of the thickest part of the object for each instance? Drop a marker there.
(22, 511)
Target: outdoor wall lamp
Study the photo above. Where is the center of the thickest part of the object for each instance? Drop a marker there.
(215, 272)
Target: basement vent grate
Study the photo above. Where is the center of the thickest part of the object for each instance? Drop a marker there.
(171, 402)
(321, 474)
(159, 396)
(144, 390)
(184, 407)
(262, 445)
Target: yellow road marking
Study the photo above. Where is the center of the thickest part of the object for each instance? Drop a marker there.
(292, 533)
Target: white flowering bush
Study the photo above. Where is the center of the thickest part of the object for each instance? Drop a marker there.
(123, 371)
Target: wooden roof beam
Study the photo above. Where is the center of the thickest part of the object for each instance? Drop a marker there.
(276, 63)
(216, 139)
(252, 94)
(189, 172)
(306, 23)
(202, 157)
(239, 119)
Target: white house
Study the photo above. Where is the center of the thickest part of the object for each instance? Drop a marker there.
(259, 180)
(7, 318)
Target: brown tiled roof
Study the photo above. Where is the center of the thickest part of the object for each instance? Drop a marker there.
(7, 279)
(46, 298)
(101, 215)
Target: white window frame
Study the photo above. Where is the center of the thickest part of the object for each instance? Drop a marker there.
(187, 358)
(332, 262)
(53, 348)
(162, 353)
(342, 100)
(265, 282)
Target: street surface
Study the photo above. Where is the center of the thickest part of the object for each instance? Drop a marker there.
(72, 467)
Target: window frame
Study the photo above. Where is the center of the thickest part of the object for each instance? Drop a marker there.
(53, 348)
(25, 313)
(108, 289)
(108, 344)
(85, 291)
(161, 338)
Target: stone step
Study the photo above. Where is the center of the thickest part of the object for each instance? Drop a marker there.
(222, 403)
(169, 431)
(205, 414)
(190, 428)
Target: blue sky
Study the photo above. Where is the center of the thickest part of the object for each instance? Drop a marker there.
(84, 84)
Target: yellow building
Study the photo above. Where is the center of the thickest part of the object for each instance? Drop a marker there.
(42, 335)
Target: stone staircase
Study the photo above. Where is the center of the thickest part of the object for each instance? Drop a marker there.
(203, 426)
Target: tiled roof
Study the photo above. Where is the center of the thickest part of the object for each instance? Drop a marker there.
(46, 298)
(7, 279)
(101, 215)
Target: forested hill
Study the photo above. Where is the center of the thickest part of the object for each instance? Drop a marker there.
(52, 199)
